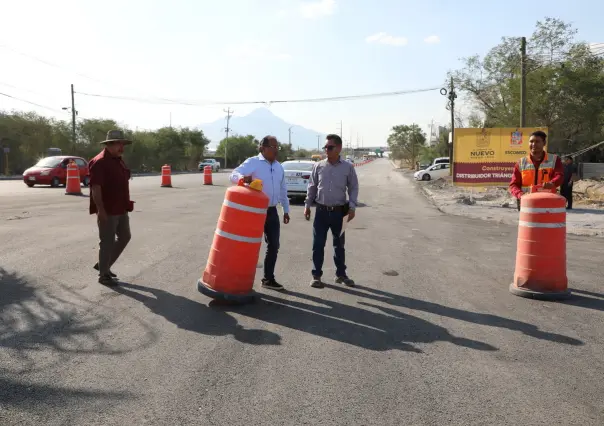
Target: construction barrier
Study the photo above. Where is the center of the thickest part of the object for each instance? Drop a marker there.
(72, 184)
(541, 253)
(231, 268)
(166, 176)
(362, 163)
(207, 175)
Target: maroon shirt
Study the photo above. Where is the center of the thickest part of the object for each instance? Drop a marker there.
(112, 175)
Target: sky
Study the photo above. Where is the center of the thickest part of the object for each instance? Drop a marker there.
(172, 53)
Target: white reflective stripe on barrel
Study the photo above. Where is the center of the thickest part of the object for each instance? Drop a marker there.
(542, 209)
(541, 225)
(73, 177)
(241, 207)
(238, 237)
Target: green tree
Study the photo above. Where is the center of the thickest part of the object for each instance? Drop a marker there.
(238, 149)
(302, 153)
(285, 151)
(565, 85)
(29, 135)
(441, 149)
(406, 142)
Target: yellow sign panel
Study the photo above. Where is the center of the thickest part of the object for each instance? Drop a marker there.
(486, 157)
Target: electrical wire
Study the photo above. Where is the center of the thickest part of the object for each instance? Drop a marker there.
(64, 69)
(280, 101)
(31, 103)
(584, 150)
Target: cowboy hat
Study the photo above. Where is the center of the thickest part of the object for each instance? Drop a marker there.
(116, 136)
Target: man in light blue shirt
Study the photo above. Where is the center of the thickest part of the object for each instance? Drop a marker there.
(266, 168)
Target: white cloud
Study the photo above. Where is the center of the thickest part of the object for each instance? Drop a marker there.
(433, 39)
(317, 9)
(384, 38)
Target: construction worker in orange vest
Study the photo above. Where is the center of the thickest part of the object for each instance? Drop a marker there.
(538, 168)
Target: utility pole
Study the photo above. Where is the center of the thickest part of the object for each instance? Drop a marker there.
(73, 120)
(290, 135)
(340, 129)
(451, 95)
(227, 130)
(523, 82)
(318, 143)
(413, 142)
(170, 120)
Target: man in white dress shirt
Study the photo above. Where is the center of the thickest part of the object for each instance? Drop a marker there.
(265, 167)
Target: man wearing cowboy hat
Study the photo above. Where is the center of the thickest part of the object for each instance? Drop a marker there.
(110, 201)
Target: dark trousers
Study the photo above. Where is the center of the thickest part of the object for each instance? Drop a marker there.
(324, 221)
(272, 231)
(567, 192)
(110, 249)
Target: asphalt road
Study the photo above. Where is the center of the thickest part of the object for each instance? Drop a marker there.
(430, 336)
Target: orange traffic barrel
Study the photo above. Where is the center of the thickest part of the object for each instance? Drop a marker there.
(207, 175)
(231, 269)
(73, 185)
(166, 176)
(541, 253)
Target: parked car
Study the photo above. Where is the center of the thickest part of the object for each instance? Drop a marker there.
(297, 176)
(436, 171)
(440, 160)
(209, 162)
(53, 171)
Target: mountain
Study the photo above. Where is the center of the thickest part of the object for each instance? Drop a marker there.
(262, 122)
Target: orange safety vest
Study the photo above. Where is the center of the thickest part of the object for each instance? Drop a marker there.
(545, 171)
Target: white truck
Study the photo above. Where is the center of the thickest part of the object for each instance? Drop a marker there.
(209, 162)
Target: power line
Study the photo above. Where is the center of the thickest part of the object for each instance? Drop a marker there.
(306, 100)
(31, 103)
(50, 64)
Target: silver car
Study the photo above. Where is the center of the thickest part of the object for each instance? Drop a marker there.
(297, 176)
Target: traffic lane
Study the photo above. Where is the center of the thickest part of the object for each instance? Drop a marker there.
(422, 347)
(16, 188)
(455, 272)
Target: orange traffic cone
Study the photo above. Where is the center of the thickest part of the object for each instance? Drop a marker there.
(541, 253)
(207, 175)
(166, 176)
(73, 185)
(231, 267)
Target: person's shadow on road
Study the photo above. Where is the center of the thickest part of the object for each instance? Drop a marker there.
(377, 331)
(459, 314)
(194, 316)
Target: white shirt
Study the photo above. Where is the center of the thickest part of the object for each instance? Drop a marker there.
(272, 176)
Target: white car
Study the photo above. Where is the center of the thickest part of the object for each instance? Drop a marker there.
(436, 171)
(209, 162)
(297, 176)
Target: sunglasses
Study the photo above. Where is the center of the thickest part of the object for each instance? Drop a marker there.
(329, 147)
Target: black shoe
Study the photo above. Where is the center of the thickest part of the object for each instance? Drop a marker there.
(108, 281)
(110, 273)
(316, 282)
(344, 280)
(272, 285)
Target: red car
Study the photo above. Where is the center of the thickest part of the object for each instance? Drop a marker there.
(53, 171)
